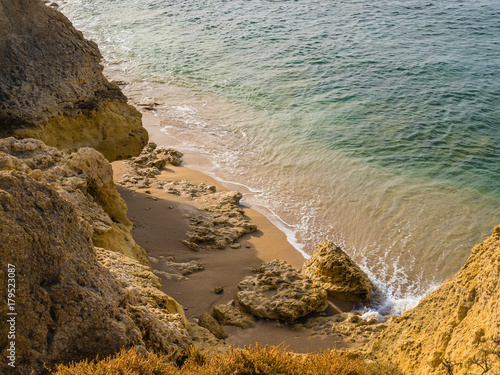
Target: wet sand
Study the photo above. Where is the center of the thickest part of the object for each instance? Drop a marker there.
(160, 226)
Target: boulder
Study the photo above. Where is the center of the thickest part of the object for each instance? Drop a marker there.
(52, 87)
(174, 157)
(207, 321)
(457, 324)
(231, 315)
(280, 292)
(84, 178)
(69, 306)
(221, 223)
(332, 268)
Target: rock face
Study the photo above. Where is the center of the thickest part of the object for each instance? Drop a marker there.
(69, 306)
(457, 323)
(84, 178)
(159, 317)
(338, 274)
(280, 292)
(52, 87)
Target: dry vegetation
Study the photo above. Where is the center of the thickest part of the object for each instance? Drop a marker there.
(249, 361)
(487, 361)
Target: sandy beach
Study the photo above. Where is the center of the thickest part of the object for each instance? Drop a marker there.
(160, 226)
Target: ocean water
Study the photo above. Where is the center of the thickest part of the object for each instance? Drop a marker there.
(375, 125)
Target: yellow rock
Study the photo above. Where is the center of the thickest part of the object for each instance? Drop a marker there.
(456, 324)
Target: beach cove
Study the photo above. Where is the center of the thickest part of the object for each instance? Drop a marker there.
(347, 123)
(121, 254)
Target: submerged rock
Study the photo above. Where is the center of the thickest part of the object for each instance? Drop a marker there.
(457, 324)
(280, 292)
(52, 87)
(337, 273)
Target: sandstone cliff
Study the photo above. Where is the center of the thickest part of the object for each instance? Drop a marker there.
(456, 325)
(69, 306)
(84, 178)
(52, 87)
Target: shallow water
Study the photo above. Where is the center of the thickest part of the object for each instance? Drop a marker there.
(374, 125)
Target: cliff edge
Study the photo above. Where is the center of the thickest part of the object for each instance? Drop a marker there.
(456, 328)
(68, 300)
(52, 87)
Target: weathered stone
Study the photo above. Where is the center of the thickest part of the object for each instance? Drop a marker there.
(84, 178)
(204, 340)
(222, 222)
(457, 322)
(70, 307)
(52, 87)
(231, 315)
(159, 317)
(207, 321)
(280, 292)
(174, 157)
(337, 273)
(347, 327)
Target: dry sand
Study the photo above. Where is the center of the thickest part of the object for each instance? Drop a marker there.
(160, 226)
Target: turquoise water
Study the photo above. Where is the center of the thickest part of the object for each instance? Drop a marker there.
(372, 124)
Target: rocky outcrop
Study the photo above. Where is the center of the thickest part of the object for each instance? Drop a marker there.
(159, 318)
(332, 268)
(221, 221)
(221, 224)
(84, 178)
(231, 315)
(207, 321)
(172, 270)
(280, 292)
(69, 306)
(351, 327)
(52, 87)
(456, 325)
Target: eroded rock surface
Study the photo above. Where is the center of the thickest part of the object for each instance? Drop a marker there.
(84, 178)
(172, 270)
(70, 307)
(221, 221)
(52, 87)
(231, 315)
(350, 327)
(456, 323)
(280, 292)
(332, 268)
(207, 321)
(159, 317)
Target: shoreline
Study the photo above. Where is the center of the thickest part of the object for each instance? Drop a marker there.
(160, 225)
